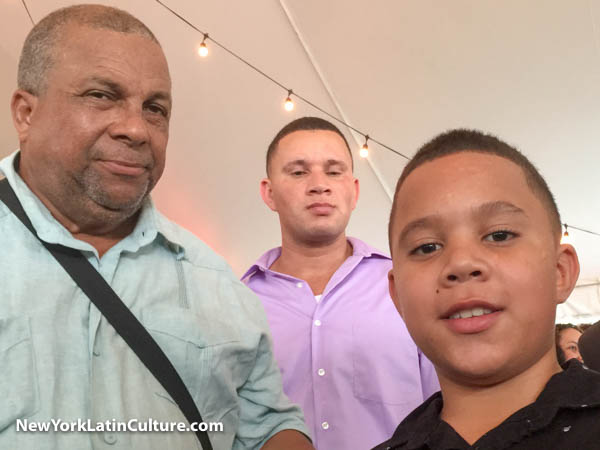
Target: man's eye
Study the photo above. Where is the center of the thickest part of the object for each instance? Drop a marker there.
(500, 236)
(102, 95)
(297, 173)
(426, 249)
(334, 173)
(157, 109)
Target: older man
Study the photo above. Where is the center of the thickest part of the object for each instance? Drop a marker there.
(345, 356)
(92, 113)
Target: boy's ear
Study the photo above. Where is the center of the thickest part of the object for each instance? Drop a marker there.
(393, 293)
(567, 271)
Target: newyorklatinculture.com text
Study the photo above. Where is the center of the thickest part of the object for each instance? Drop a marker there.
(134, 425)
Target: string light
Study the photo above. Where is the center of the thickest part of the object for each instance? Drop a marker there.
(289, 104)
(364, 151)
(203, 49)
(565, 239)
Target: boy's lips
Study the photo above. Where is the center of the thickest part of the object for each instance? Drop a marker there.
(473, 316)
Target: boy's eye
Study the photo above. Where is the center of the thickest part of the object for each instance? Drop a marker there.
(426, 249)
(500, 236)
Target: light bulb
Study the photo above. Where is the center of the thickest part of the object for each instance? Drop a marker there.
(565, 239)
(289, 104)
(203, 50)
(364, 150)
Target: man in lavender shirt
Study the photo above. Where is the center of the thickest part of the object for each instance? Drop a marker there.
(344, 352)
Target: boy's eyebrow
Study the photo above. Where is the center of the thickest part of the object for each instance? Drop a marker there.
(485, 209)
(423, 222)
(498, 207)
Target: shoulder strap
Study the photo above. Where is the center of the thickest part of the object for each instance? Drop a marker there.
(118, 315)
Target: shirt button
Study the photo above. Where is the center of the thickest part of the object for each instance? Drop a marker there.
(299, 284)
(96, 352)
(110, 438)
(317, 323)
(321, 372)
(325, 425)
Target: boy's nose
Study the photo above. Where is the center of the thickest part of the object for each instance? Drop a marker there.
(464, 263)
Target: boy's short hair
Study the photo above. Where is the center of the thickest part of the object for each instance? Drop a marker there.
(305, 124)
(463, 140)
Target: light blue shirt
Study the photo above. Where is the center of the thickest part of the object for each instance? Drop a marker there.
(60, 359)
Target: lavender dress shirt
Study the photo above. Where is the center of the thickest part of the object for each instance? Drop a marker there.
(348, 359)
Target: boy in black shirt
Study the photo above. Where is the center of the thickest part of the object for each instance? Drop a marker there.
(478, 272)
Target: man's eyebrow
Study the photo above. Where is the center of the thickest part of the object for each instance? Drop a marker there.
(116, 87)
(107, 83)
(336, 162)
(161, 96)
(296, 162)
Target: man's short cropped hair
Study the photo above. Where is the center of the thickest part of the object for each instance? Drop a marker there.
(462, 140)
(38, 54)
(304, 124)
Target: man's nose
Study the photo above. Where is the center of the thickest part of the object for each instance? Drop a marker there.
(318, 183)
(130, 126)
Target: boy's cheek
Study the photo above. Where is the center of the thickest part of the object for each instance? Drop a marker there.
(394, 291)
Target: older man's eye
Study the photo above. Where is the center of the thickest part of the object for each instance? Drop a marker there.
(157, 109)
(426, 249)
(101, 95)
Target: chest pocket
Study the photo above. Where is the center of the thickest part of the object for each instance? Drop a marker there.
(207, 356)
(18, 379)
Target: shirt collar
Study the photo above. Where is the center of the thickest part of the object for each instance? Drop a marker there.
(359, 249)
(149, 226)
(575, 387)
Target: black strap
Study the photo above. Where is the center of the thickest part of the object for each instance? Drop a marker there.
(117, 314)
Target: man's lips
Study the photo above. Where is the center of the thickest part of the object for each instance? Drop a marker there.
(320, 208)
(126, 168)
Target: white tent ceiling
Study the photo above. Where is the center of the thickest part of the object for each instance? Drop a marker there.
(401, 71)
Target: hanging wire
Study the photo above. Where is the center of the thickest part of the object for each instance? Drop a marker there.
(28, 13)
(581, 229)
(281, 85)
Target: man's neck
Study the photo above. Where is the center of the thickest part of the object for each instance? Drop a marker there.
(100, 234)
(473, 411)
(313, 264)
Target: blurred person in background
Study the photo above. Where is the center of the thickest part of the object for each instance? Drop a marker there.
(567, 342)
(589, 345)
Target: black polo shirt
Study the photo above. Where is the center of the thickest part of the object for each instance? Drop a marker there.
(565, 416)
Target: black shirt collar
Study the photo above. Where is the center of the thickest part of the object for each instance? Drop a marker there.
(576, 387)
